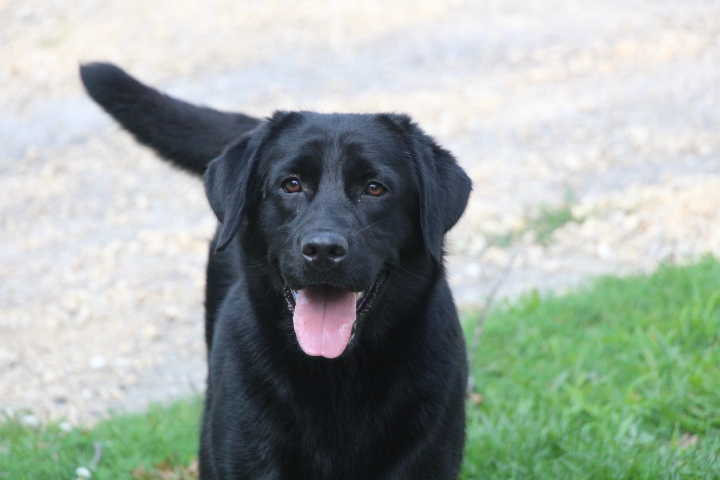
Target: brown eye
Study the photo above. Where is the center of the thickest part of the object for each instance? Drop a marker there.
(292, 185)
(375, 189)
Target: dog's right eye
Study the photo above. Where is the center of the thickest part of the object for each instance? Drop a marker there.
(291, 185)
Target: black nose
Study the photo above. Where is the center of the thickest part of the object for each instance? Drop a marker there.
(324, 250)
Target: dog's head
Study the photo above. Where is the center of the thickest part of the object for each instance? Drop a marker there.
(336, 199)
(329, 202)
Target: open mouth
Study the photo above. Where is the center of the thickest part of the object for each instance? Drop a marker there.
(325, 316)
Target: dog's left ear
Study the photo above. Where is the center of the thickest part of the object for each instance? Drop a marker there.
(444, 186)
(445, 189)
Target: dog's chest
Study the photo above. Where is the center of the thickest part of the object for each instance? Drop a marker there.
(341, 432)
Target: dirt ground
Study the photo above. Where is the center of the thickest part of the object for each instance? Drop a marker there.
(614, 104)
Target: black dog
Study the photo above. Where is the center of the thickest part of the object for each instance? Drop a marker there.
(334, 346)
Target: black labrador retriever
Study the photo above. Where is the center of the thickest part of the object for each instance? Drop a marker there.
(334, 346)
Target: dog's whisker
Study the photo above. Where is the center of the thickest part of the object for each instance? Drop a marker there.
(405, 270)
(244, 267)
(368, 226)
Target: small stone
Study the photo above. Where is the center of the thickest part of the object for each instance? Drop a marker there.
(171, 313)
(83, 472)
(151, 332)
(97, 362)
(29, 420)
(604, 251)
(473, 270)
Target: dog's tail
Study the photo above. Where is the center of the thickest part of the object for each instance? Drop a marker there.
(189, 136)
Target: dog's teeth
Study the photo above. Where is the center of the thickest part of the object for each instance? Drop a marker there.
(358, 296)
(294, 294)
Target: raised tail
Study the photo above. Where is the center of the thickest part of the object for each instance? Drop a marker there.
(189, 136)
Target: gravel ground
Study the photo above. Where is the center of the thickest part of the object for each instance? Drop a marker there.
(101, 263)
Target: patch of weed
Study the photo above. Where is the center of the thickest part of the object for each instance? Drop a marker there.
(541, 223)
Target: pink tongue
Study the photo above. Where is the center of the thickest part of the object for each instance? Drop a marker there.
(323, 319)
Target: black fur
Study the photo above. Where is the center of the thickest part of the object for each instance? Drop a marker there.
(392, 405)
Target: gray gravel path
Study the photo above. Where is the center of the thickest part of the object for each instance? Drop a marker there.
(101, 263)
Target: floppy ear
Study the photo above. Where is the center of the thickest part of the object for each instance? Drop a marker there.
(443, 185)
(231, 180)
(230, 186)
(444, 190)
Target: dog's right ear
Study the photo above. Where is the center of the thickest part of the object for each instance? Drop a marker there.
(232, 185)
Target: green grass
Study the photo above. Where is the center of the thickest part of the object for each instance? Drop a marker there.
(620, 380)
(141, 446)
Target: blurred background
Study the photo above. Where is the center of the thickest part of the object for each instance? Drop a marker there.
(591, 131)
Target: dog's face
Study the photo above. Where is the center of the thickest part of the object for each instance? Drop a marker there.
(336, 199)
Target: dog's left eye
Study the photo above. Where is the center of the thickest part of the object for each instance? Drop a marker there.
(375, 189)
(292, 185)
